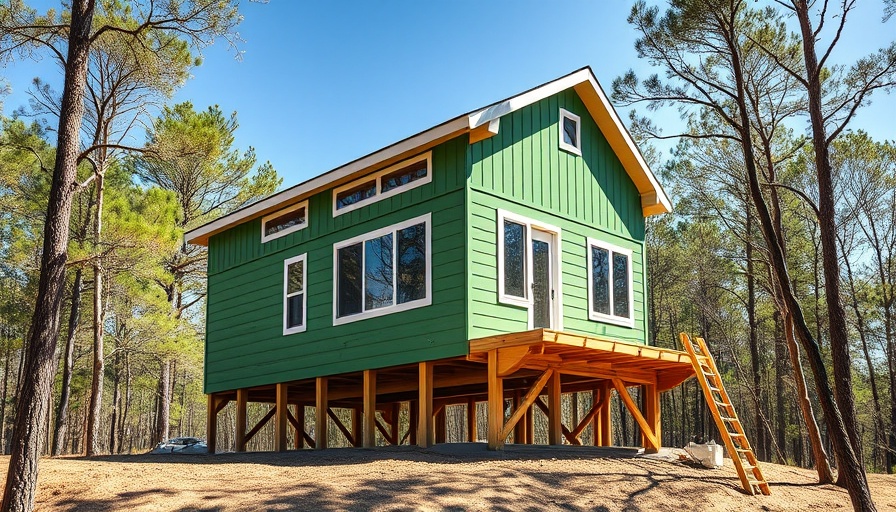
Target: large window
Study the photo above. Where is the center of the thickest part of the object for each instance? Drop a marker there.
(570, 132)
(383, 272)
(610, 291)
(284, 222)
(410, 173)
(294, 279)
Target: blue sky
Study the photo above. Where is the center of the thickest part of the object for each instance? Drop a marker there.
(323, 83)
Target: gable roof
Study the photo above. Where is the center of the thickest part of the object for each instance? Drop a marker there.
(479, 124)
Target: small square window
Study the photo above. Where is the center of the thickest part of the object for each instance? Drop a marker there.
(570, 132)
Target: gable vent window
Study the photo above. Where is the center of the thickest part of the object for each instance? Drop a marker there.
(294, 274)
(610, 290)
(392, 180)
(383, 272)
(284, 222)
(570, 132)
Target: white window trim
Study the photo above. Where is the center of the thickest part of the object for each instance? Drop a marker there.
(557, 267)
(286, 264)
(578, 120)
(600, 317)
(293, 229)
(378, 178)
(395, 308)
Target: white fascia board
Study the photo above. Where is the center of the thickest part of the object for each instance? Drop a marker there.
(525, 99)
(661, 196)
(421, 139)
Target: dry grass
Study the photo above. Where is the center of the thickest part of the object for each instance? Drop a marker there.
(447, 477)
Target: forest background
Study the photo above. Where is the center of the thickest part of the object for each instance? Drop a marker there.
(128, 363)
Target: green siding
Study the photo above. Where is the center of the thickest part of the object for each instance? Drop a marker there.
(245, 345)
(522, 170)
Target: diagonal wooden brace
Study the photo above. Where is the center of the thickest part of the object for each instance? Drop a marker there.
(544, 408)
(261, 423)
(646, 429)
(576, 432)
(342, 428)
(526, 402)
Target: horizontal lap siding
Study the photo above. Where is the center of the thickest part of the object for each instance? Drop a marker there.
(245, 345)
(522, 170)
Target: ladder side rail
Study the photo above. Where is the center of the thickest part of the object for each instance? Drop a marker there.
(723, 428)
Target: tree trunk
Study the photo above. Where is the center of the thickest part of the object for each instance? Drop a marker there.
(5, 391)
(94, 410)
(61, 426)
(756, 364)
(839, 334)
(850, 467)
(31, 410)
(116, 402)
(162, 417)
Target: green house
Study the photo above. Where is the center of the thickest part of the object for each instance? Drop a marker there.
(495, 257)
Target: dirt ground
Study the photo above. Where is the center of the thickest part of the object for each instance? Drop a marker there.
(447, 477)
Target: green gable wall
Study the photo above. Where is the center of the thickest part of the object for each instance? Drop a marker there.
(245, 345)
(523, 170)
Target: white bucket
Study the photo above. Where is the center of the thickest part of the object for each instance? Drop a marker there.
(710, 455)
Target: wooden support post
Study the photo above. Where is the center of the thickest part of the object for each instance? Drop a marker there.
(441, 421)
(242, 398)
(394, 415)
(300, 426)
(369, 437)
(652, 409)
(555, 423)
(606, 426)
(280, 423)
(425, 434)
(495, 403)
(413, 420)
(320, 414)
(519, 430)
(211, 422)
(529, 419)
(357, 426)
(596, 420)
(472, 435)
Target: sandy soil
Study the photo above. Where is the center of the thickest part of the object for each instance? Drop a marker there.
(447, 477)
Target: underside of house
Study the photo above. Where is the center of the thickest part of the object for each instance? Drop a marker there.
(515, 374)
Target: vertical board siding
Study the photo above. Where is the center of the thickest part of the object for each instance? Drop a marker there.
(523, 170)
(245, 345)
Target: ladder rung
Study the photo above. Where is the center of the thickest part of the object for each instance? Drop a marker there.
(743, 450)
(735, 434)
(724, 404)
(715, 390)
(756, 482)
(729, 418)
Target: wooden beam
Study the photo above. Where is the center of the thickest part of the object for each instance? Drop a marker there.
(606, 425)
(529, 418)
(511, 359)
(357, 425)
(425, 433)
(383, 430)
(519, 430)
(495, 403)
(653, 410)
(595, 409)
(555, 423)
(652, 446)
(369, 429)
(222, 403)
(526, 402)
(546, 410)
(242, 398)
(299, 425)
(261, 423)
(320, 413)
(472, 435)
(211, 423)
(394, 410)
(341, 426)
(280, 422)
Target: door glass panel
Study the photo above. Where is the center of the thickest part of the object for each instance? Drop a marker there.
(378, 272)
(514, 259)
(349, 286)
(541, 286)
(600, 280)
(412, 263)
(620, 285)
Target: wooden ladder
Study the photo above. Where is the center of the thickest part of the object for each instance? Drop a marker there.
(730, 427)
